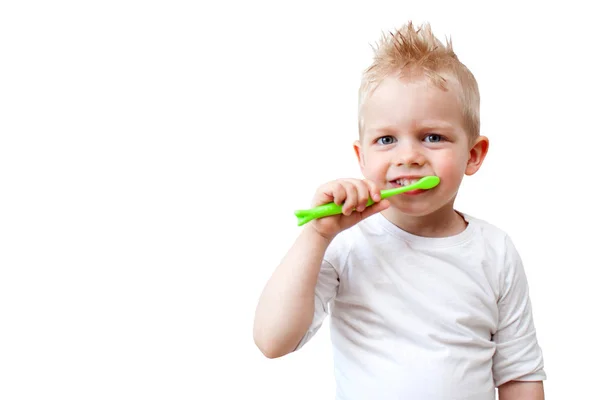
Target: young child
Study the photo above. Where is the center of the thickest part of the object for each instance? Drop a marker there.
(426, 302)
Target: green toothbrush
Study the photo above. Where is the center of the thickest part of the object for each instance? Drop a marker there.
(328, 209)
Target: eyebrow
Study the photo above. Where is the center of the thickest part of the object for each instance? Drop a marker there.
(426, 125)
(439, 124)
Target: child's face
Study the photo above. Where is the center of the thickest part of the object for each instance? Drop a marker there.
(413, 129)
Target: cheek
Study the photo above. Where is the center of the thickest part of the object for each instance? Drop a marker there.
(450, 167)
(375, 168)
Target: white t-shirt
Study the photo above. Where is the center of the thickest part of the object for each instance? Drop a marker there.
(426, 318)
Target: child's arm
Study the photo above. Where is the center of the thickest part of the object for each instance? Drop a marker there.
(286, 307)
(516, 390)
(518, 363)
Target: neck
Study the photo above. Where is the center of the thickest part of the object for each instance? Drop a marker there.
(441, 223)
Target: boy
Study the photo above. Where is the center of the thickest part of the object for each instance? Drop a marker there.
(426, 302)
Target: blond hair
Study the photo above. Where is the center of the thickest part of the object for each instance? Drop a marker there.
(417, 51)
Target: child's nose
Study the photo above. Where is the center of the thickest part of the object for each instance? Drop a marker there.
(409, 155)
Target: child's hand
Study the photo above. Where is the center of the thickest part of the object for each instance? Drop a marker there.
(354, 194)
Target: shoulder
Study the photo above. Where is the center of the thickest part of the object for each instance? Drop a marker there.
(495, 241)
(485, 229)
(355, 240)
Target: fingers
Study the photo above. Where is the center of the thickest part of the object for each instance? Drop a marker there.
(366, 190)
(351, 200)
(351, 194)
(373, 191)
(357, 194)
(366, 193)
(330, 192)
(338, 192)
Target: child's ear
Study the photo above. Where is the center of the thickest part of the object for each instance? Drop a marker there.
(477, 155)
(359, 155)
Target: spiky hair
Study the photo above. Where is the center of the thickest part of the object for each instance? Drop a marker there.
(411, 51)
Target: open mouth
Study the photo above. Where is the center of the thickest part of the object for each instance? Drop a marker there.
(406, 181)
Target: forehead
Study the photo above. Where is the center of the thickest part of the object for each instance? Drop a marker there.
(404, 103)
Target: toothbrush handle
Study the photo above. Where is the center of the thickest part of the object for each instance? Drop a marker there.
(324, 210)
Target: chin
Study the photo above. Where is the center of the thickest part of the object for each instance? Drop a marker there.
(416, 208)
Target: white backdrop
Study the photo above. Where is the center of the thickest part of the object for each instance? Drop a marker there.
(152, 155)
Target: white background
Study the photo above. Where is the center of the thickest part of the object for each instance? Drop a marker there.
(152, 155)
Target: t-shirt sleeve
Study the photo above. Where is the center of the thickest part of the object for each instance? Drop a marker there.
(518, 355)
(325, 290)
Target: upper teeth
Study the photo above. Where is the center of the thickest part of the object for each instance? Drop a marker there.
(406, 182)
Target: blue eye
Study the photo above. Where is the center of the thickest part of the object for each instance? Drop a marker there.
(386, 140)
(433, 138)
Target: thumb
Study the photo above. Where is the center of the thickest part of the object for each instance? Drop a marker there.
(374, 209)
